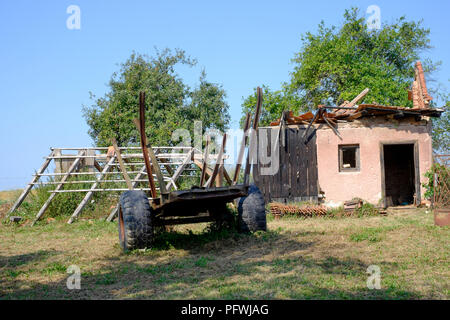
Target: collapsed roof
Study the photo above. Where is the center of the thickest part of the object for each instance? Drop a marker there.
(349, 111)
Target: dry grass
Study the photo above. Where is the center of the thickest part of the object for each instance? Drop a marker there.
(6, 200)
(312, 258)
(9, 195)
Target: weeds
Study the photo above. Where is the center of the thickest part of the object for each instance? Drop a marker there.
(65, 203)
(202, 262)
(55, 267)
(370, 234)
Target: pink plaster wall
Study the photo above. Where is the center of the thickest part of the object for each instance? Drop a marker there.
(365, 184)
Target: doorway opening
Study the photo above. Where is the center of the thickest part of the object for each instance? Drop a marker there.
(399, 174)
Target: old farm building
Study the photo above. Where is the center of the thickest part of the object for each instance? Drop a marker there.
(373, 152)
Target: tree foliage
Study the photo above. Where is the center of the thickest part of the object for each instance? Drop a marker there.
(335, 64)
(170, 103)
(274, 102)
(441, 125)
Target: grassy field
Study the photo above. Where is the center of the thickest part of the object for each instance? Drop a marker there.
(309, 258)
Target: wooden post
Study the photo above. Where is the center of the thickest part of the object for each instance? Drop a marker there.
(89, 194)
(58, 187)
(205, 161)
(226, 175)
(154, 162)
(33, 181)
(209, 171)
(219, 179)
(121, 164)
(212, 178)
(58, 162)
(242, 149)
(255, 127)
(89, 163)
(141, 129)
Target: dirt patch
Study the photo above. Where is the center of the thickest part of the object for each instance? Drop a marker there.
(4, 208)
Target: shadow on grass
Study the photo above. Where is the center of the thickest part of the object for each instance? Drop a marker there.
(22, 259)
(195, 241)
(218, 265)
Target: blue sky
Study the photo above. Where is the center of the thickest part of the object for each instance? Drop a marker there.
(48, 70)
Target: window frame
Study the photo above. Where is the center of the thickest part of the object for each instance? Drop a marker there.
(341, 148)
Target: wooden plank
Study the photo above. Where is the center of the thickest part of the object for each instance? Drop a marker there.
(88, 196)
(308, 172)
(33, 181)
(257, 167)
(205, 161)
(209, 171)
(154, 161)
(168, 168)
(180, 169)
(212, 178)
(121, 164)
(58, 187)
(275, 180)
(97, 166)
(254, 127)
(293, 162)
(199, 164)
(143, 140)
(268, 179)
(257, 177)
(331, 126)
(242, 149)
(316, 115)
(220, 177)
(302, 168)
(298, 149)
(226, 175)
(135, 183)
(285, 186)
(358, 97)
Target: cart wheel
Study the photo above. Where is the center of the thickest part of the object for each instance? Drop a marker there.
(135, 221)
(252, 211)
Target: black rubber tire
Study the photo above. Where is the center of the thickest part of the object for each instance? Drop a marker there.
(135, 221)
(252, 211)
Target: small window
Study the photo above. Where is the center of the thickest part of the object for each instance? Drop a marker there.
(349, 158)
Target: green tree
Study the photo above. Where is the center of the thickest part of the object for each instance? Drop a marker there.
(441, 125)
(336, 63)
(274, 102)
(170, 103)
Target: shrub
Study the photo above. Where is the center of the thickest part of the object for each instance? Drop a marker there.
(65, 203)
(442, 171)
